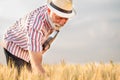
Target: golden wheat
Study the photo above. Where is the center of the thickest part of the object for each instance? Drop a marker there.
(63, 71)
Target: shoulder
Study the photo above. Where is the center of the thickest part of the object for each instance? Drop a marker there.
(40, 9)
(36, 17)
(38, 13)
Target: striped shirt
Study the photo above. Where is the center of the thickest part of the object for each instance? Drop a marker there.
(27, 33)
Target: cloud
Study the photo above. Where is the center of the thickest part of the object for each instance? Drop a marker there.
(17, 8)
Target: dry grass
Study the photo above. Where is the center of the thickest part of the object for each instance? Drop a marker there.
(65, 71)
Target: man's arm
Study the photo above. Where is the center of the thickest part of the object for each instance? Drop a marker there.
(2, 44)
(36, 62)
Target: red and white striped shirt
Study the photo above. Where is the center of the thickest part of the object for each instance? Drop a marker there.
(27, 33)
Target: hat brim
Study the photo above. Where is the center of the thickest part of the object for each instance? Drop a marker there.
(59, 13)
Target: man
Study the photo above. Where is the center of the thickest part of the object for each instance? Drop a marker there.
(29, 38)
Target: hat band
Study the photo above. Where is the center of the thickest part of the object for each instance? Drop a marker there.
(61, 10)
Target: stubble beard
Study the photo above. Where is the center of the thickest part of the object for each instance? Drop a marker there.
(56, 25)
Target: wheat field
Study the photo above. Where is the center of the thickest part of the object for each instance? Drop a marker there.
(64, 71)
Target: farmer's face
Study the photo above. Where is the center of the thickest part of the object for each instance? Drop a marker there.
(57, 20)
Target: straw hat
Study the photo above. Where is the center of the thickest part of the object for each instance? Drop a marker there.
(63, 8)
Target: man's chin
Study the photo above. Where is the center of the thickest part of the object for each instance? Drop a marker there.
(58, 26)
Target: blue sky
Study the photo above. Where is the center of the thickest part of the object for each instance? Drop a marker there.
(93, 35)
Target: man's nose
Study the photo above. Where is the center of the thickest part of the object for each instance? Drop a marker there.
(64, 20)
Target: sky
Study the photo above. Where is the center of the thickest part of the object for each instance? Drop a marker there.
(93, 35)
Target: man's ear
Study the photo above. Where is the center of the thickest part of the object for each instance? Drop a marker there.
(49, 11)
